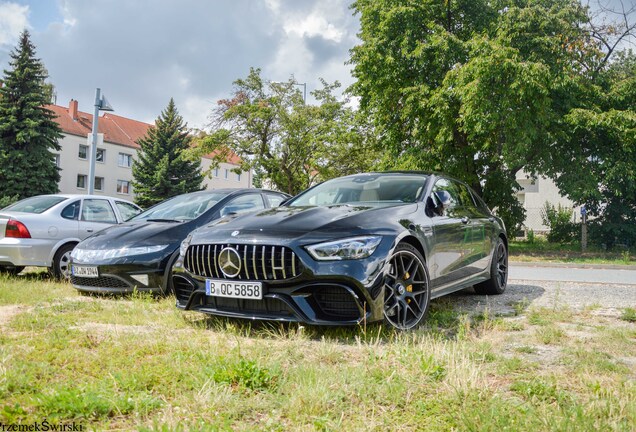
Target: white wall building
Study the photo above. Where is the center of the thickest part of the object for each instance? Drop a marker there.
(533, 196)
(116, 152)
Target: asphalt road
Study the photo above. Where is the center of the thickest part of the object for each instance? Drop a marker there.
(568, 273)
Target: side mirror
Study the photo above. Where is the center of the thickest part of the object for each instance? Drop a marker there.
(227, 211)
(443, 199)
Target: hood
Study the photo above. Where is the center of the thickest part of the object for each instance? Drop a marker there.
(292, 222)
(141, 233)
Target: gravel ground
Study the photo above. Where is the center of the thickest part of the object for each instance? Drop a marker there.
(605, 298)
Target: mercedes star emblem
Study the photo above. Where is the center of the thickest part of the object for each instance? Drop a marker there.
(230, 262)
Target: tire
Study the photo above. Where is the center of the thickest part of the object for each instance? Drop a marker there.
(498, 272)
(168, 287)
(61, 268)
(11, 270)
(407, 291)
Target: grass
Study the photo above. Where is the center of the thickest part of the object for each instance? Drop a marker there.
(542, 251)
(138, 363)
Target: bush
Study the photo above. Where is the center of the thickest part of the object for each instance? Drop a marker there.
(6, 201)
(559, 220)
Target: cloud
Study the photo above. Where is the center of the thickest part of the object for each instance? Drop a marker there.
(13, 19)
(142, 53)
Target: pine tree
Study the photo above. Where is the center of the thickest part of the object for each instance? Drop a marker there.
(28, 131)
(162, 169)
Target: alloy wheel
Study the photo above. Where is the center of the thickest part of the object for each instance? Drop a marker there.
(502, 265)
(406, 290)
(64, 265)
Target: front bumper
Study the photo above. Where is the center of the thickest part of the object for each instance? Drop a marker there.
(121, 279)
(25, 252)
(324, 293)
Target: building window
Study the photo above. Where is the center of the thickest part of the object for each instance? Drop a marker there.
(124, 160)
(216, 172)
(238, 177)
(227, 173)
(101, 155)
(56, 158)
(83, 152)
(81, 181)
(99, 183)
(123, 187)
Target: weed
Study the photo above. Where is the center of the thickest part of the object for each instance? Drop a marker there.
(629, 315)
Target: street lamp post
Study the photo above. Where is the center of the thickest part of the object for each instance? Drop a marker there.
(101, 104)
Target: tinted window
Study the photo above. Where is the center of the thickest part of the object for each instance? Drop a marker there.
(370, 189)
(127, 210)
(98, 210)
(452, 190)
(182, 207)
(71, 211)
(275, 199)
(243, 204)
(38, 204)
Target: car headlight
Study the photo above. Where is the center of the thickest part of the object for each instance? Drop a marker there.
(345, 249)
(185, 244)
(88, 255)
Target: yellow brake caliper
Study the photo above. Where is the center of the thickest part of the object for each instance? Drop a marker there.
(409, 288)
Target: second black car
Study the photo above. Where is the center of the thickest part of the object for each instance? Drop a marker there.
(139, 254)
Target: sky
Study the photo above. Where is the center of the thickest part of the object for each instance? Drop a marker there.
(142, 53)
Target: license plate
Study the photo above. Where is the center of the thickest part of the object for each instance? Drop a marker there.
(89, 272)
(224, 288)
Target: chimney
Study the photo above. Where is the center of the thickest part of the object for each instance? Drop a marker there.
(72, 109)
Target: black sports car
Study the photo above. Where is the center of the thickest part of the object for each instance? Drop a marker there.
(136, 254)
(363, 247)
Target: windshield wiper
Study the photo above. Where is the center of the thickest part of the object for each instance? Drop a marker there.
(165, 220)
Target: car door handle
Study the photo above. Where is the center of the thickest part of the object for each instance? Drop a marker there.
(465, 220)
(89, 229)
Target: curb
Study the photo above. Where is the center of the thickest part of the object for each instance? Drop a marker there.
(572, 265)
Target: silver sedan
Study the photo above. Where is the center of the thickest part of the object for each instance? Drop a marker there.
(43, 230)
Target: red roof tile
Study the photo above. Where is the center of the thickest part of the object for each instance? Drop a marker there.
(116, 129)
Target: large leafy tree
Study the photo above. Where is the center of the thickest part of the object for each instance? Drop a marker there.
(289, 143)
(28, 131)
(477, 88)
(163, 168)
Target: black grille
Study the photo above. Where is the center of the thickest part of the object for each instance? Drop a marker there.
(257, 262)
(265, 306)
(336, 301)
(100, 282)
(182, 289)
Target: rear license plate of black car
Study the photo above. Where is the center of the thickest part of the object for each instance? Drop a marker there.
(225, 288)
(83, 271)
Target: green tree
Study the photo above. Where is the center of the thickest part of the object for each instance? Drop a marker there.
(28, 131)
(476, 88)
(163, 168)
(283, 139)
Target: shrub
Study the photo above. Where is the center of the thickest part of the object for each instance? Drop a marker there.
(559, 220)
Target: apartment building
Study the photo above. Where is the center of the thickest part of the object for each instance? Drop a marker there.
(116, 153)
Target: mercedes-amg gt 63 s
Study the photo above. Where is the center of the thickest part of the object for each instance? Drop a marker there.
(363, 247)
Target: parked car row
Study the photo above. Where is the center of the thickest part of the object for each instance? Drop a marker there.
(367, 247)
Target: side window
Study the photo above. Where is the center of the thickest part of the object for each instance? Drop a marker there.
(275, 199)
(71, 211)
(465, 198)
(98, 210)
(243, 204)
(444, 185)
(127, 210)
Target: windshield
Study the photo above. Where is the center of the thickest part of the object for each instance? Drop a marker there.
(37, 204)
(366, 188)
(182, 207)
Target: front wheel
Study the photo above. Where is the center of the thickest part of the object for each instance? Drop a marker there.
(498, 272)
(406, 288)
